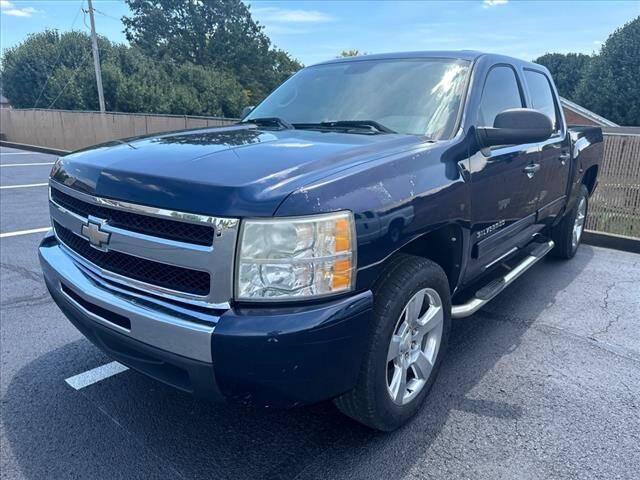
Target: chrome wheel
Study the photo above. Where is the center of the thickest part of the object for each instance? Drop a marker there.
(578, 225)
(414, 346)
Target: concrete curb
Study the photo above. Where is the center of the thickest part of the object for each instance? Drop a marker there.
(33, 148)
(609, 240)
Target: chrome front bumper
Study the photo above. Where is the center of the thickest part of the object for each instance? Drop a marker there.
(154, 322)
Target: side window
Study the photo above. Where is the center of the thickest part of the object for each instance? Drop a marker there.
(500, 92)
(541, 95)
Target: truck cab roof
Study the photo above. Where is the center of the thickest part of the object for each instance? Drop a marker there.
(469, 55)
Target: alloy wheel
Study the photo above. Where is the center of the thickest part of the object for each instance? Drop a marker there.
(414, 346)
(578, 225)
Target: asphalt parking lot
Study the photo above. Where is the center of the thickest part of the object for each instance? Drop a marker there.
(542, 383)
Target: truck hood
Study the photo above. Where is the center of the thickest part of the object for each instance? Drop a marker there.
(234, 171)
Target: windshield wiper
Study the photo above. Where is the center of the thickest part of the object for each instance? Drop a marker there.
(270, 122)
(370, 125)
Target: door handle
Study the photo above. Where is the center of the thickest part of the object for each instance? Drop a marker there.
(531, 170)
(564, 157)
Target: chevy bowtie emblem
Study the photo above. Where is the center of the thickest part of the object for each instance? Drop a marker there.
(97, 238)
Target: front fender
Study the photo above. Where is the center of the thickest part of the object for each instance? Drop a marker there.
(395, 200)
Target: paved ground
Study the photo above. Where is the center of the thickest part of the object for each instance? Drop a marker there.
(543, 383)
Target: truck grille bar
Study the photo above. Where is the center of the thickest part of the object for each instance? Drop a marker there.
(167, 276)
(160, 227)
(182, 256)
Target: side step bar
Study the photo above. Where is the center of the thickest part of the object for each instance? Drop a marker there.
(486, 293)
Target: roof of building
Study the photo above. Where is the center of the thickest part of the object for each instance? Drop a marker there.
(580, 110)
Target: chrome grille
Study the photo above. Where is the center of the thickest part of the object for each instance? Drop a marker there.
(160, 227)
(166, 276)
(157, 251)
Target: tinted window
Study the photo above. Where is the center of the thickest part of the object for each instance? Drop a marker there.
(500, 93)
(541, 95)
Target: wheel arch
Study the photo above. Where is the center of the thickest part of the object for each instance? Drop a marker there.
(444, 246)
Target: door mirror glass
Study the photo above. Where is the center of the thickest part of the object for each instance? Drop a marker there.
(516, 126)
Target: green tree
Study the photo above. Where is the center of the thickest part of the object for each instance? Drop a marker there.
(215, 33)
(55, 70)
(350, 53)
(47, 55)
(611, 84)
(567, 70)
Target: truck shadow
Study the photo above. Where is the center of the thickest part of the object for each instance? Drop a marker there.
(129, 426)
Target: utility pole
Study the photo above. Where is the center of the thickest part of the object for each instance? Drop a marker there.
(96, 57)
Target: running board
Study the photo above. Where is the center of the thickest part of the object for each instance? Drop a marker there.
(493, 288)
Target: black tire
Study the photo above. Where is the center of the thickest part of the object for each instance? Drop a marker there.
(562, 233)
(370, 402)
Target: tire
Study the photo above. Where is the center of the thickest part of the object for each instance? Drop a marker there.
(563, 233)
(379, 399)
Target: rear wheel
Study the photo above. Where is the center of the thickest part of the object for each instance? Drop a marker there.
(411, 329)
(568, 233)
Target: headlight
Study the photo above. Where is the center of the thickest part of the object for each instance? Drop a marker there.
(296, 258)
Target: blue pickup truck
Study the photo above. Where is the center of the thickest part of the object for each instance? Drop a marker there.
(319, 248)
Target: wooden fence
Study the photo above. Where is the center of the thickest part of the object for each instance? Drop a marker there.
(615, 205)
(614, 208)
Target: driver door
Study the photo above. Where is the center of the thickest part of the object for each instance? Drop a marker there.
(503, 190)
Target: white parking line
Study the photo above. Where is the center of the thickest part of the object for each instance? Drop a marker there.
(24, 232)
(96, 375)
(26, 164)
(7, 187)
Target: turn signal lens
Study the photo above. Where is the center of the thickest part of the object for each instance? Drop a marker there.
(343, 235)
(342, 275)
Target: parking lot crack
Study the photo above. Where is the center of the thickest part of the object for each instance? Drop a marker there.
(26, 301)
(625, 354)
(605, 307)
(22, 271)
(545, 328)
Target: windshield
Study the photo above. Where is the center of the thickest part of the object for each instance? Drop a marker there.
(411, 96)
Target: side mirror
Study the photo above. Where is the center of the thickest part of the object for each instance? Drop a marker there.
(516, 126)
(246, 111)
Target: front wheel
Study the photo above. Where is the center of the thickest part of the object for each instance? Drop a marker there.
(568, 233)
(410, 332)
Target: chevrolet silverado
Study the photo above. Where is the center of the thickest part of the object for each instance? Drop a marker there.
(319, 248)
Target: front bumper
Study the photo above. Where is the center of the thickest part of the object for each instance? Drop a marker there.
(277, 356)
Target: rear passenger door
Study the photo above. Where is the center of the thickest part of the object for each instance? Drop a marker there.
(504, 197)
(553, 176)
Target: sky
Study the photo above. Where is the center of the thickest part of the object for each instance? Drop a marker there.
(313, 31)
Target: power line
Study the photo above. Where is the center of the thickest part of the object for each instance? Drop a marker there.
(73, 76)
(107, 15)
(57, 59)
(84, 19)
